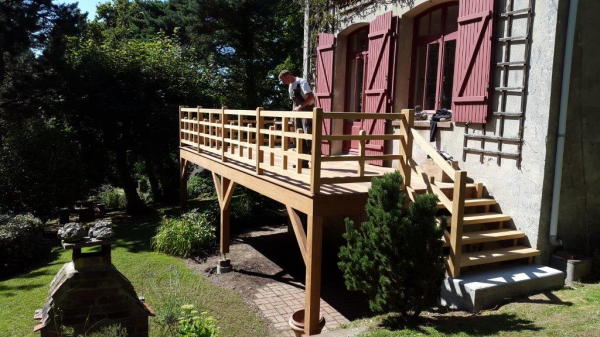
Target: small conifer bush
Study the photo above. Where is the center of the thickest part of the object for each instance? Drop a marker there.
(396, 256)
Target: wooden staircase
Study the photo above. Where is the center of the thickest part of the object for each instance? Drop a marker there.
(476, 234)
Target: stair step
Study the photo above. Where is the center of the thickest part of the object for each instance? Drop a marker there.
(497, 255)
(491, 236)
(474, 202)
(443, 186)
(481, 218)
(485, 236)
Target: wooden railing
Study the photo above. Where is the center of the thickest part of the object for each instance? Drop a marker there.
(455, 206)
(263, 140)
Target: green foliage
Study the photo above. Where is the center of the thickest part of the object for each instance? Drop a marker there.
(41, 169)
(115, 330)
(252, 208)
(195, 324)
(396, 256)
(114, 198)
(201, 185)
(21, 242)
(191, 235)
(170, 295)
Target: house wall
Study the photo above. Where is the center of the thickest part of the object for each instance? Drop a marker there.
(579, 214)
(524, 193)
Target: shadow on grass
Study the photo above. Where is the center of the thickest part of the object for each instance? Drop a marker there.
(470, 325)
(49, 259)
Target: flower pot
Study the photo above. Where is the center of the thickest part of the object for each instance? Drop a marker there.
(575, 266)
(296, 322)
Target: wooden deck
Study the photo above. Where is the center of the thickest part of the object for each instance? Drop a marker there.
(253, 148)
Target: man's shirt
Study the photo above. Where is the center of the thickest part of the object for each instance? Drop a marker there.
(300, 88)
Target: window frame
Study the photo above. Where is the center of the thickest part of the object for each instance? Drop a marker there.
(426, 41)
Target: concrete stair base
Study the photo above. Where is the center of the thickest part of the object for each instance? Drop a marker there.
(484, 290)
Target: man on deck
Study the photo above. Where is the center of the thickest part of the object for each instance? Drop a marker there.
(303, 100)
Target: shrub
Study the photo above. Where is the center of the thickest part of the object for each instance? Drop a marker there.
(596, 265)
(114, 198)
(251, 208)
(396, 256)
(191, 235)
(193, 324)
(21, 242)
(201, 185)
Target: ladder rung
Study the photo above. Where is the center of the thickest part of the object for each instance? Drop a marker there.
(504, 139)
(509, 88)
(513, 38)
(517, 12)
(512, 64)
(492, 153)
(507, 114)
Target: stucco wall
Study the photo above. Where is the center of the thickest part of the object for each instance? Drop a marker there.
(524, 192)
(579, 216)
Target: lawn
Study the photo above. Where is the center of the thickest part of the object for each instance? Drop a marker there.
(569, 312)
(164, 281)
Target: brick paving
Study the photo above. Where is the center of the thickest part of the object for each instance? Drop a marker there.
(278, 300)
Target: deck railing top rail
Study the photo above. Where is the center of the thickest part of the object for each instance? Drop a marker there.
(266, 141)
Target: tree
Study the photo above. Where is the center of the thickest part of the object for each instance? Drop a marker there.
(124, 95)
(396, 256)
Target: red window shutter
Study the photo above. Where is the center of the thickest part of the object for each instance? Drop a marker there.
(324, 87)
(380, 75)
(472, 70)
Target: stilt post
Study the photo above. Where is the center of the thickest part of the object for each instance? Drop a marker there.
(313, 273)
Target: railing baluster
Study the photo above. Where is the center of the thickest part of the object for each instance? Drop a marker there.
(299, 148)
(199, 128)
(406, 144)
(284, 142)
(181, 135)
(260, 123)
(361, 152)
(223, 133)
(249, 136)
(271, 146)
(315, 168)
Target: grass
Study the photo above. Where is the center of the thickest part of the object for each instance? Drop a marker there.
(568, 312)
(163, 280)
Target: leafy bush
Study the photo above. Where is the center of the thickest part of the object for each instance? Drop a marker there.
(191, 235)
(201, 185)
(396, 256)
(193, 324)
(21, 242)
(251, 208)
(114, 198)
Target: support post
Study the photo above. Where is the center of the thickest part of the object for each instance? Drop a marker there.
(458, 208)
(313, 270)
(183, 184)
(315, 165)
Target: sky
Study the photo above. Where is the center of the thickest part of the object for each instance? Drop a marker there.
(85, 6)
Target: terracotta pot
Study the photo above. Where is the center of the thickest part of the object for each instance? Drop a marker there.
(296, 322)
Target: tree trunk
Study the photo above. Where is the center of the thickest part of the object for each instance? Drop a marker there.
(154, 187)
(134, 203)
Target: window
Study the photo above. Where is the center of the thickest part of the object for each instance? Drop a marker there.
(433, 57)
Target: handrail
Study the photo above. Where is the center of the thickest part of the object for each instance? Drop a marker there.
(437, 158)
(257, 137)
(455, 206)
